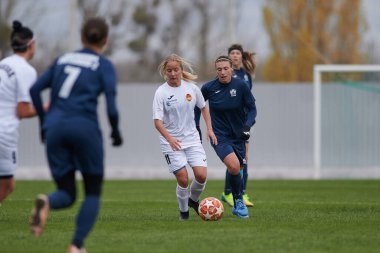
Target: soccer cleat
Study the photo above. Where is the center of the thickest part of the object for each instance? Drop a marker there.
(247, 201)
(183, 215)
(240, 210)
(194, 204)
(228, 198)
(74, 249)
(39, 215)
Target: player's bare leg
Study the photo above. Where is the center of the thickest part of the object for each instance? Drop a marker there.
(74, 249)
(39, 215)
(6, 187)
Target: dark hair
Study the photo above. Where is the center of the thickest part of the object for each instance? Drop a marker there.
(20, 37)
(235, 47)
(94, 31)
(247, 58)
(223, 58)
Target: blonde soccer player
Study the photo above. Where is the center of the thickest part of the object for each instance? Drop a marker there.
(173, 115)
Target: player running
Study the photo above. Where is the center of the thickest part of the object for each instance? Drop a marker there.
(16, 78)
(244, 64)
(233, 113)
(173, 115)
(71, 130)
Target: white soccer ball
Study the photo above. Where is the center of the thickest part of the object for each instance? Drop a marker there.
(211, 209)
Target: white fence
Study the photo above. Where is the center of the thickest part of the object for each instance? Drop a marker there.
(281, 145)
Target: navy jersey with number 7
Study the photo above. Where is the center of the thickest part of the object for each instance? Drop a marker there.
(76, 80)
(70, 127)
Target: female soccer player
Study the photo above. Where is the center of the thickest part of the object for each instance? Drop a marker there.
(233, 113)
(71, 130)
(244, 64)
(16, 78)
(173, 115)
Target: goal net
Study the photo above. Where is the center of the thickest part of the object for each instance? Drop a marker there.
(346, 121)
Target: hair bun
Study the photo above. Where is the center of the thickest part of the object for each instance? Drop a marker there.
(17, 25)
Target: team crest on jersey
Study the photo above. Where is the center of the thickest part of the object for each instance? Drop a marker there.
(246, 78)
(233, 92)
(189, 97)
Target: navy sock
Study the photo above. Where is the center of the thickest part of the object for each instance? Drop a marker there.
(60, 199)
(236, 182)
(86, 219)
(227, 183)
(245, 178)
(242, 182)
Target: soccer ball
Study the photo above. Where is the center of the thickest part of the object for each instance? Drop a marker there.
(211, 209)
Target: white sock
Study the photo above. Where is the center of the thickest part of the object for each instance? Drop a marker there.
(196, 189)
(183, 198)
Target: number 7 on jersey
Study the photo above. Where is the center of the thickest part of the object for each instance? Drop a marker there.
(73, 73)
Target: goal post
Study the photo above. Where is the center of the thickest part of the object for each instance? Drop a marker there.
(317, 90)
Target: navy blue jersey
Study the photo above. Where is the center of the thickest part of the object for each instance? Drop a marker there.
(71, 128)
(227, 103)
(76, 80)
(242, 74)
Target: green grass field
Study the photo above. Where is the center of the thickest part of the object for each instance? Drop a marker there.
(142, 216)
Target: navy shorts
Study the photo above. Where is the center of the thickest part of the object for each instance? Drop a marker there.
(225, 148)
(74, 146)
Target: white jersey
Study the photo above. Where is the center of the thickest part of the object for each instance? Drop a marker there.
(16, 78)
(174, 106)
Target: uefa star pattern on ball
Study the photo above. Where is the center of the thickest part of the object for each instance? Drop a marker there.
(211, 209)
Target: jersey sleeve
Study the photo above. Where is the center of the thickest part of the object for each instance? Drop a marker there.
(25, 80)
(250, 82)
(200, 104)
(250, 104)
(204, 91)
(197, 110)
(200, 101)
(108, 74)
(43, 82)
(158, 105)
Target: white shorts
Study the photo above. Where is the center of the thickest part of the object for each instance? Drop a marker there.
(193, 155)
(8, 162)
